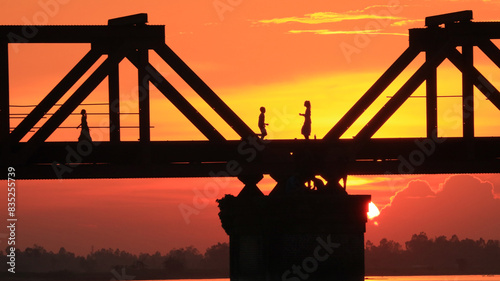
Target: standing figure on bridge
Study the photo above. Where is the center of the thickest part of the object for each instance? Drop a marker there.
(262, 123)
(85, 133)
(306, 128)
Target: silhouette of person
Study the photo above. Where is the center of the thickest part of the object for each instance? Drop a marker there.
(306, 128)
(262, 123)
(85, 133)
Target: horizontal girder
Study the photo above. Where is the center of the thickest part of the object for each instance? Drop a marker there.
(95, 34)
(248, 157)
(459, 34)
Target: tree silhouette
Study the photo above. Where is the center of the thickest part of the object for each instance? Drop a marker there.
(433, 256)
(420, 255)
(217, 256)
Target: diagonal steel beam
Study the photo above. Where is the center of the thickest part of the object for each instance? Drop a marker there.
(71, 104)
(478, 80)
(202, 89)
(373, 93)
(55, 95)
(491, 50)
(490, 91)
(171, 93)
(402, 95)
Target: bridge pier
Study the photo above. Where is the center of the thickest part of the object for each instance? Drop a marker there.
(304, 235)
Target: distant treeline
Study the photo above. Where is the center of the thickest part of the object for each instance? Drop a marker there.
(420, 255)
(440, 255)
(105, 264)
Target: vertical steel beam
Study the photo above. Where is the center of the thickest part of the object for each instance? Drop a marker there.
(431, 99)
(4, 92)
(373, 93)
(144, 106)
(468, 91)
(114, 104)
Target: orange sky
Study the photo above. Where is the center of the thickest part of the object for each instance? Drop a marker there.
(252, 53)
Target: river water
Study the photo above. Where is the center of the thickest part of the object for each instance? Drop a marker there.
(401, 278)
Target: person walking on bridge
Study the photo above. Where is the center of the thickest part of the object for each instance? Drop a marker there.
(262, 123)
(85, 133)
(306, 128)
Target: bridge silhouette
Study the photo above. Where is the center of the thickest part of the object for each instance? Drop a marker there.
(131, 38)
(248, 158)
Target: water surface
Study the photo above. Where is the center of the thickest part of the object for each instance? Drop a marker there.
(398, 278)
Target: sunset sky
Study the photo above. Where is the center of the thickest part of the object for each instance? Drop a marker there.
(251, 53)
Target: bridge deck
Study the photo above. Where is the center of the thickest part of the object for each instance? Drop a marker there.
(238, 158)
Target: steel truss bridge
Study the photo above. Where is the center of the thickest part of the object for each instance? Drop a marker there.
(249, 158)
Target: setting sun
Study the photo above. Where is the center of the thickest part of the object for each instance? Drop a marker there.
(372, 211)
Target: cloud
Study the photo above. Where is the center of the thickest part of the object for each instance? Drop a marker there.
(455, 188)
(405, 22)
(397, 7)
(330, 32)
(377, 21)
(464, 205)
(415, 189)
(330, 17)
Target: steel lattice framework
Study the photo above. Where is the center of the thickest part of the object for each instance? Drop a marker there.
(249, 158)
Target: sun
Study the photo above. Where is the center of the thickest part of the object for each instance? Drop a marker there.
(372, 211)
